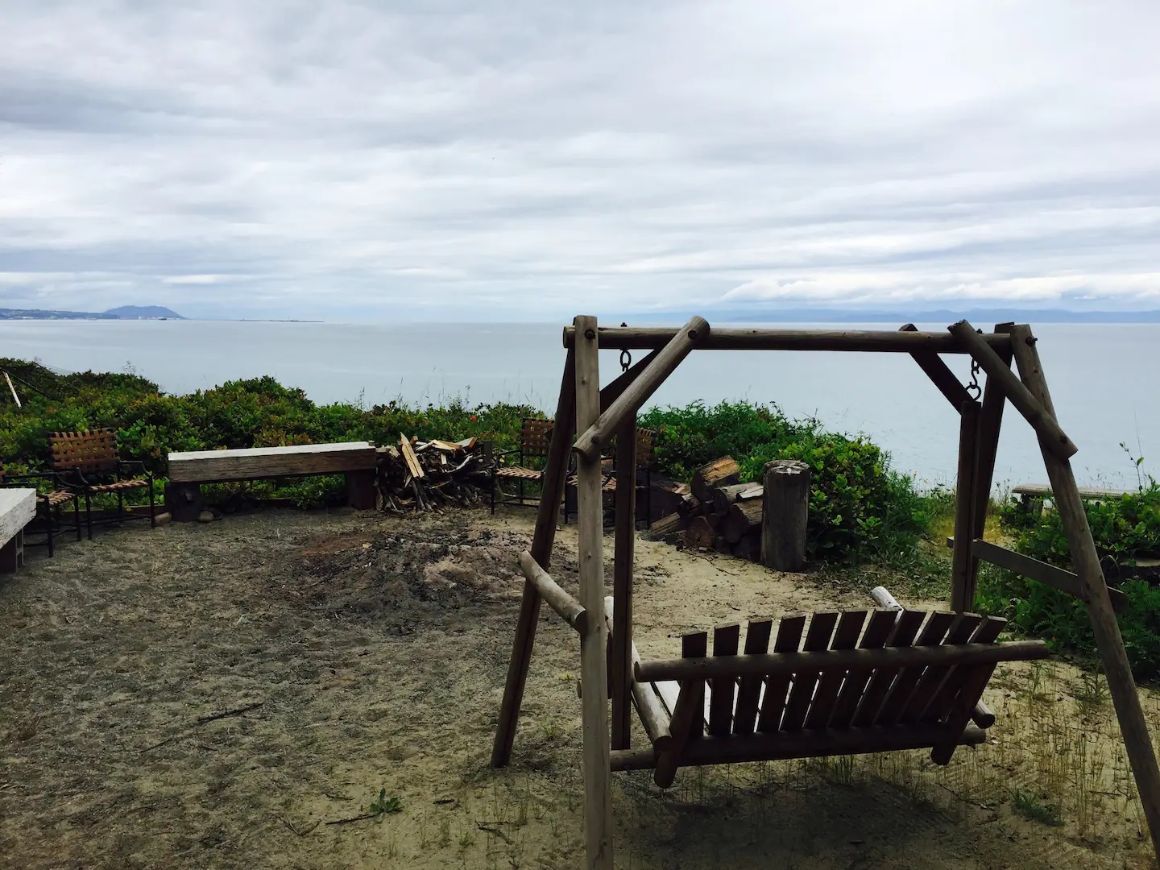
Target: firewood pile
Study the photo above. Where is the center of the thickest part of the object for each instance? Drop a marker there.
(427, 475)
(717, 512)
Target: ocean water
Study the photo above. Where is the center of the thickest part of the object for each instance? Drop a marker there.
(1103, 379)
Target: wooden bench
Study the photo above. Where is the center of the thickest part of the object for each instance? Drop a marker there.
(187, 471)
(1031, 494)
(837, 684)
(17, 508)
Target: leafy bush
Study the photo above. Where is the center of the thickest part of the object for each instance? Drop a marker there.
(1125, 529)
(857, 504)
(257, 412)
(1040, 610)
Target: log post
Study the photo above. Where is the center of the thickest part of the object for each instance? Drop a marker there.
(962, 578)
(360, 489)
(551, 492)
(786, 506)
(621, 648)
(1085, 560)
(987, 446)
(593, 643)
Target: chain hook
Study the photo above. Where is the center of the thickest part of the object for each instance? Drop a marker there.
(973, 387)
(625, 357)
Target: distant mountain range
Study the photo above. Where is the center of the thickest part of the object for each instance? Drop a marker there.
(978, 316)
(123, 312)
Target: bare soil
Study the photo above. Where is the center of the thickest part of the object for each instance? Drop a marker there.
(238, 694)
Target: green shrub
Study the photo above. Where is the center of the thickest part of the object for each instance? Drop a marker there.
(1062, 620)
(858, 506)
(1125, 529)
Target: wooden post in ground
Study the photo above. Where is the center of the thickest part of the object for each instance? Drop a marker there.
(1086, 563)
(555, 471)
(593, 643)
(785, 514)
(962, 578)
(987, 447)
(621, 649)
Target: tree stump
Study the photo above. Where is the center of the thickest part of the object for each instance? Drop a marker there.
(786, 510)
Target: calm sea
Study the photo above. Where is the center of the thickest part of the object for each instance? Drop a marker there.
(1103, 379)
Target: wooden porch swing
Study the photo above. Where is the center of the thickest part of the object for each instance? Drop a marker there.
(832, 684)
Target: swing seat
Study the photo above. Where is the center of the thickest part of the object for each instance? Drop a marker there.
(833, 684)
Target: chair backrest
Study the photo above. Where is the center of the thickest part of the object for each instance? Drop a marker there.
(89, 452)
(857, 676)
(644, 447)
(535, 437)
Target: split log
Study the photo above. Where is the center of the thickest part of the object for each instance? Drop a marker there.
(689, 506)
(429, 474)
(742, 518)
(724, 496)
(700, 534)
(719, 472)
(667, 527)
(783, 526)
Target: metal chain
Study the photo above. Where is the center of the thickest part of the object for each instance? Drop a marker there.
(973, 387)
(625, 357)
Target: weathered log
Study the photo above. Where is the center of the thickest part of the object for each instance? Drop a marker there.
(724, 496)
(874, 341)
(700, 534)
(667, 527)
(742, 518)
(719, 472)
(787, 503)
(689, 506)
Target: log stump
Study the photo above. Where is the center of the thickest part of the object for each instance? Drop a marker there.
(786, 510)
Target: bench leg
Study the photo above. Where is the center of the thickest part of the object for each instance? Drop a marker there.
(50, 514)
(360, 489)
(184, 501)
(12, 554)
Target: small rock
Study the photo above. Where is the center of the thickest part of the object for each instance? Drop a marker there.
(206, 517)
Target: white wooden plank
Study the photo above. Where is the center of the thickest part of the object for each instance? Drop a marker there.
(203, 466)
(17, 508)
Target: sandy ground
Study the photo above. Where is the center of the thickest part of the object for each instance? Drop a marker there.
(239, 693)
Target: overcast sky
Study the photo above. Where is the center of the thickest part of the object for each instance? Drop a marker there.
(532, 160)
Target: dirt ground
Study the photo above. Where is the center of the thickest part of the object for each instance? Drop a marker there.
(238, 694)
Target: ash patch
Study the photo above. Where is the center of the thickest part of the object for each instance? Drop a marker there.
(407, 572)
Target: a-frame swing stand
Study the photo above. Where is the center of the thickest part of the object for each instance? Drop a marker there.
(947, 677)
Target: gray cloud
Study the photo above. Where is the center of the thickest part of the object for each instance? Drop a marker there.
(526, 160)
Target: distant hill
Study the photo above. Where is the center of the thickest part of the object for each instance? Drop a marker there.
(124, 312)
(765, 313)
(143, 312)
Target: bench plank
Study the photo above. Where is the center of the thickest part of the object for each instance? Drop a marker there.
(207, 466)
(17, 508)
(1043, 490)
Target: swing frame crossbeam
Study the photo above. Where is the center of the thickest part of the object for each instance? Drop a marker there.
(590, 419)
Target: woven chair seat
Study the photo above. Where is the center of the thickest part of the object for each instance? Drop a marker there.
(608, 484)
(516, 472)
(117, 486)
(58, 496)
